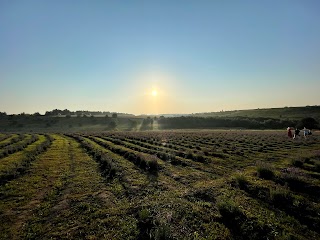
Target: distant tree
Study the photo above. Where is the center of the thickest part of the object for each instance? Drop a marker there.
(66, 112)
(68, 116)
(37, 114)
(93, 119)
(309, 123)
(209, 122)
(133, 123)
(106, 116)
(112, 125)
(114, 115)
(147, 123)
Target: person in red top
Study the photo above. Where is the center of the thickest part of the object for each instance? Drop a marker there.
(289, 132)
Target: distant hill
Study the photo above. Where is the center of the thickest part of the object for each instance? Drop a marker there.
(286, 113)
(80, 121)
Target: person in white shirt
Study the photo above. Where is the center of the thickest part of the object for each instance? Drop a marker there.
(305, 132)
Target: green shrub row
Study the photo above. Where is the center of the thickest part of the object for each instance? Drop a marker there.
(182, 146)
(107, 167)
(144, 161)
(12, 140)
(4, 137)
(170, 156)
(165, 156)
(17, 147)
(241, 226)
(281, 197)
(25, 162)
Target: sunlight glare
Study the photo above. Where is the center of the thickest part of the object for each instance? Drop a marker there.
(154, 93)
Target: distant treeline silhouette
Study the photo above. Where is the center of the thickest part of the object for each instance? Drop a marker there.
(238, 122)
(65, 112)
(19, 121)
(57, 112)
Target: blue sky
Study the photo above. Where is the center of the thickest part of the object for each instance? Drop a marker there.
(198, 55)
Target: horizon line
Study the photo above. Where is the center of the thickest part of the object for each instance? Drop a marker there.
(159, 114)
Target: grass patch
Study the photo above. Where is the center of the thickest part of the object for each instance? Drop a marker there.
(280, 196)
(140, 185)
(265, 170)
(241, 180)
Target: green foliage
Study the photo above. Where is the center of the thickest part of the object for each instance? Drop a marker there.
(190, 122)
(229, 210)
(280, 195)
(309, 123)
(17, 144)
(20, 167)
(216, 231)
(112, 124)
(294, 178)
(241, 180)
(153, 164)
(265, 170)
(162, 232)
(297, 162)
(291, 113)
(162, 185)
(144, 214)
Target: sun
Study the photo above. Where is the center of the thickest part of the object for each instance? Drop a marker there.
(154, 93)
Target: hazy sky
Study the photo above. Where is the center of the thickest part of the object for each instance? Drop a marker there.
(196, 55)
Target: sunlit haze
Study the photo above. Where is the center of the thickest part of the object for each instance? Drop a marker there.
(155, 57)
(154, 93)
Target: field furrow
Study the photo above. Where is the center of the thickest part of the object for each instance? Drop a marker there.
(3, 137)
(119, 185)
(16, 164)
(187, 172)
(212, 166)
(10, 140)
(18, 146)
(80, 194)
(168, 195)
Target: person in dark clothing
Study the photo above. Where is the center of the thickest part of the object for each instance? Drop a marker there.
(296, 133)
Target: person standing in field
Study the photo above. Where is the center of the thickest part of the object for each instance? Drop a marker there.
(305, 132)
(289, 132)
(296, 133)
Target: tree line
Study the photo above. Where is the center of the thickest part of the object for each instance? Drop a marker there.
(236, 122)
(66, 112)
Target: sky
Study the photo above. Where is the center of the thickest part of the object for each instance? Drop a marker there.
(156, 57)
